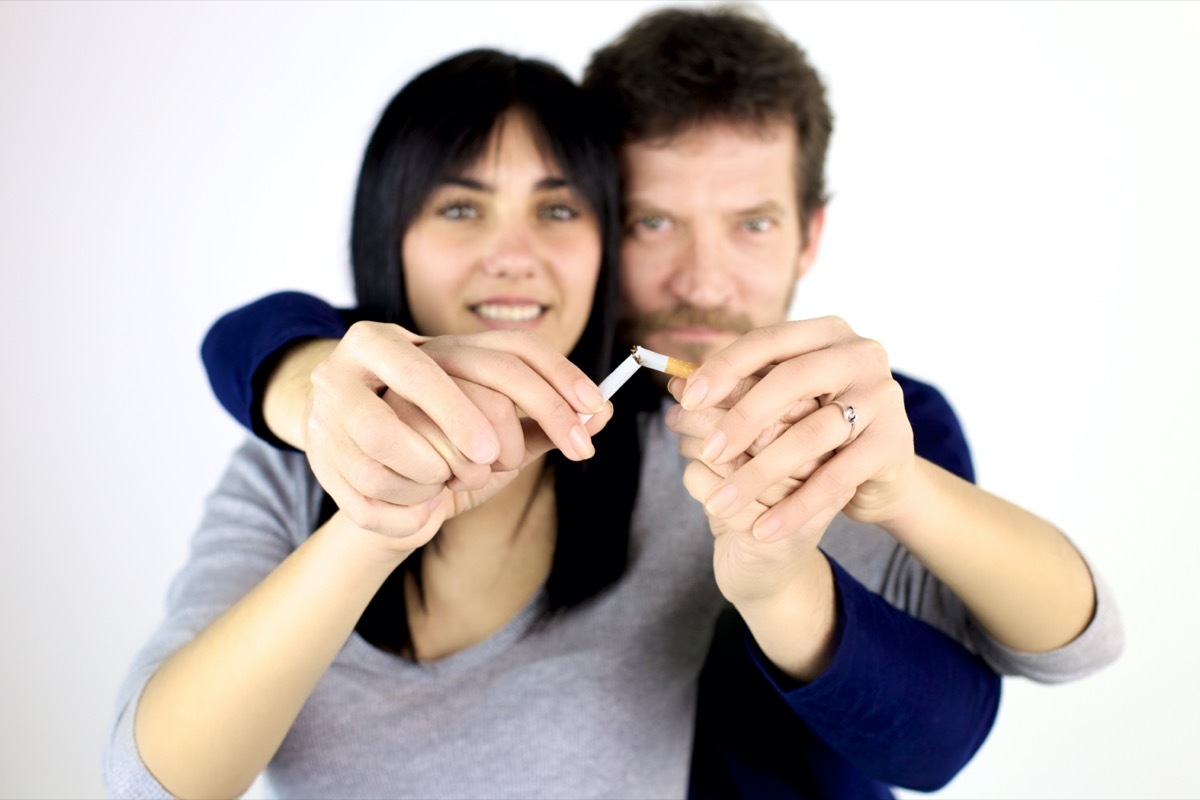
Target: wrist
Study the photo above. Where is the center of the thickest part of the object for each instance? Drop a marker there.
(287, 395)
(908, 517)
(373, 552)
(796, 626)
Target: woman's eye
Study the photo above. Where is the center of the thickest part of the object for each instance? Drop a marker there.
(458, 211)
(559, 212)
(758, 224)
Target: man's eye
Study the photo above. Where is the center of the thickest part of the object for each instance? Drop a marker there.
(652, 222)
(758, 224)
(559, 213)
(458, 211)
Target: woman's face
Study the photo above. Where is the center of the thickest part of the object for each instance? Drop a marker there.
(506, 244)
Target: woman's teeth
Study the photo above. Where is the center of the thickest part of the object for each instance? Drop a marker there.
(508, 313)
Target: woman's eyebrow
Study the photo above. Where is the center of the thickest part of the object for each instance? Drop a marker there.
(468, 183)
(545, 184)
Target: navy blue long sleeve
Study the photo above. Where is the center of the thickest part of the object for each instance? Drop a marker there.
(243, 346)
(901, 704)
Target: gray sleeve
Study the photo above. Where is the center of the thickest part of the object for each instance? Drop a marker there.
(878, 561)
(263, 507)
(1097, 646)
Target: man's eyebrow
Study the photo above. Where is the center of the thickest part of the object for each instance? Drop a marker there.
(767, 207)
(635, 205)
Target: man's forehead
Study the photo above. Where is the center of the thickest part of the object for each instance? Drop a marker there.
(741, 165)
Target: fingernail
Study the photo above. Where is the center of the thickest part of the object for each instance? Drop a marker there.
(589, 395)
(766, 527)
(484, 449)
(695, 392)
(721, 500)
(582, 442)
(714, 445)
(672, 415)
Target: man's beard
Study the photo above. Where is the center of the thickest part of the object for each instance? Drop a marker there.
(635, 331)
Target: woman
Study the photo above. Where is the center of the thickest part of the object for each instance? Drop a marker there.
(522, 632)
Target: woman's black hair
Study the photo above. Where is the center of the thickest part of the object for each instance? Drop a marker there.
(435, 127)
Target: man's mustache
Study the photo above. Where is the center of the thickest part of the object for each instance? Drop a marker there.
(686, 317)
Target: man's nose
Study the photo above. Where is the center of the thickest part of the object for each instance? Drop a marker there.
(511, 252)
(702, 274)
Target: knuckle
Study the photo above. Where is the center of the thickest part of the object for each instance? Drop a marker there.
(371, 479)
(323, 376)
(696, 479)
(689, 447)
(473, 476)
(364, 431)
(875, 352)
(361, 335)
(777, 492)
(735, 419)
(754, 473)
(430, 470)
(828, 481)
(362, 514)
(893, 393)
(837, 324)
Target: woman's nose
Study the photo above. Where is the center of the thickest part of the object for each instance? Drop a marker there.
(512, 254)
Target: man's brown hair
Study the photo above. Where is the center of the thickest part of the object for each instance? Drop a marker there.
(681, 67)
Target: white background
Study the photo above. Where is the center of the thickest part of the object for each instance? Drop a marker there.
(1015, 218)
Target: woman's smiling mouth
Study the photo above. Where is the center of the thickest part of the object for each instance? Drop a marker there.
(509, 312)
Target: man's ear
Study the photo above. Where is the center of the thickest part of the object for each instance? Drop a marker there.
(812, 242)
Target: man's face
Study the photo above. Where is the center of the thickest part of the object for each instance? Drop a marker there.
(713, 243)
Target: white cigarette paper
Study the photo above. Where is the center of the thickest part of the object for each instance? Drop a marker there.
(640, 357)
(615, 380)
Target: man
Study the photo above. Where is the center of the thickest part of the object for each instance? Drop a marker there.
(723, 128)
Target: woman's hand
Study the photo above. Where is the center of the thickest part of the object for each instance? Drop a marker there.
(404, 431)
(792, 423)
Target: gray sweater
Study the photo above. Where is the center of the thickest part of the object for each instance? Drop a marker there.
(598, 704)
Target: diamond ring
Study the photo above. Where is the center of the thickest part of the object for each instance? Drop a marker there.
(851, 417)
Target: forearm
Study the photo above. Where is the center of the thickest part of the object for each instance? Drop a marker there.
(900, 701)
(1017, 574)
(289, 387)
(213, 715)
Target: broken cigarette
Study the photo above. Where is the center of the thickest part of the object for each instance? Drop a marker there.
(667, 364)
(641, 357)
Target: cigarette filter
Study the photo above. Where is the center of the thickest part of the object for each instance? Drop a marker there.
(667, 364)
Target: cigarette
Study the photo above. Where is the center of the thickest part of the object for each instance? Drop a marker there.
(667, 364)
(640, 357)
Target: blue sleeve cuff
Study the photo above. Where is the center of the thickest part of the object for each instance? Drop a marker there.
(900, 701)
(242, 348)
(937, 434)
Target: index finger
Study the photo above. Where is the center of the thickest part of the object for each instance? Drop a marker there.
(757, 350)
(410, 373)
